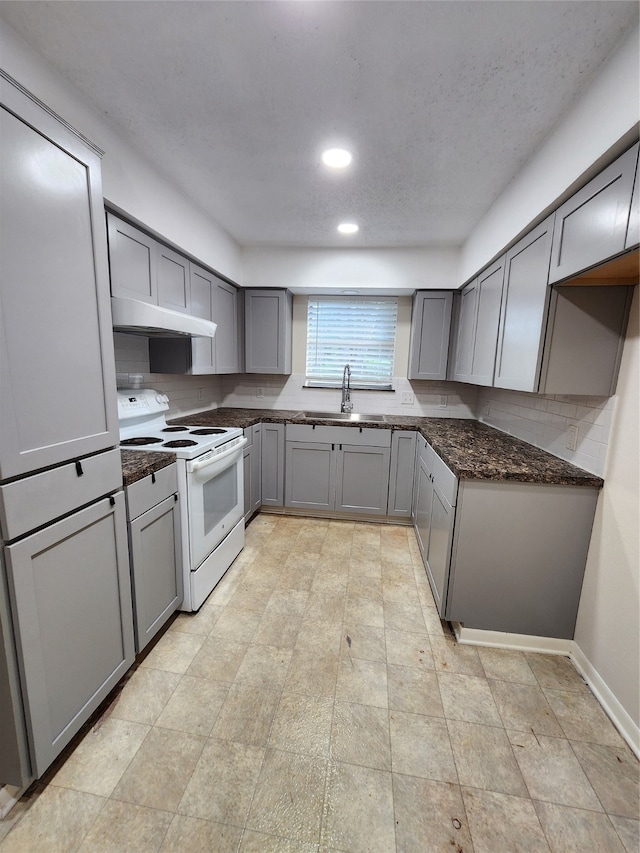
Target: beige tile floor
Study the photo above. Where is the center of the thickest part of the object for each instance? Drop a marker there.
(317, 703)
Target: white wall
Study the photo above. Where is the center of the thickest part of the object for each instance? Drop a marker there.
(608, 627)
(130, 183)
(386, 269)
(608, 111)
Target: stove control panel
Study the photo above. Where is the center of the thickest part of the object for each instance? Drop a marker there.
(141, 401)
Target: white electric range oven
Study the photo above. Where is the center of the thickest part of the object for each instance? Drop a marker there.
(210, 485)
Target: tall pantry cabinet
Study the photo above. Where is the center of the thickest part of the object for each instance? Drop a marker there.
(65, 597)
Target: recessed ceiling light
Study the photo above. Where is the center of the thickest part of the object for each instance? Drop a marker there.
(348, 228)
(336, 158)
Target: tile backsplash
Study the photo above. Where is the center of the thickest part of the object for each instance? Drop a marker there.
(541, 420)
(544, 420)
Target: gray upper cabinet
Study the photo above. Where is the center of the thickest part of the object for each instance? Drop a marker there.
(478, 326)
(146, 270)
(57, 369)
(210, 299)
(524, 311)
(132, 258)
(592, 225)
(268, 323)
(132, 255)
(71, 600)
(633, 229)
(430, 324)
(226, 314)
(173, 279)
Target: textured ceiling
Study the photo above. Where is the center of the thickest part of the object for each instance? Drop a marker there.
(442, 103)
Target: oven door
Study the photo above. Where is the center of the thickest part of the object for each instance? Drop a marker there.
(215, 498)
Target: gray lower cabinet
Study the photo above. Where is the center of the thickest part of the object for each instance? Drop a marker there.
(436, 490)
(477, 326)
(252, 460)
(513, 567)
(430, 325)
(268, 316)
(71, 600)
(341, 469)
(401, 474)
(497, 554)
(155, 552)
(272, 464)
(592, 226)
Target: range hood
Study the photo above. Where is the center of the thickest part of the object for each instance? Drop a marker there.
(142, 318)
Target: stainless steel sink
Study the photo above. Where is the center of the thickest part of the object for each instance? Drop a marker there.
(350, 417)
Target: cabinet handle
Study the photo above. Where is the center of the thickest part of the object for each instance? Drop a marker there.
(79, 470)
(333, 447)
(153, 477)
(112, 500)
(175, 497)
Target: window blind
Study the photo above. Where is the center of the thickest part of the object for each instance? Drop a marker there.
(358, 331)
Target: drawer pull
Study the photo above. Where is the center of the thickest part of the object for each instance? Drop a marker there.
(79, 470)
(112, 500)
(153, 477)
(175, 497)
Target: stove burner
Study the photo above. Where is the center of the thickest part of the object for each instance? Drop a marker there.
(140, 441)
(208, 431)
(175, 429)
(180, 442)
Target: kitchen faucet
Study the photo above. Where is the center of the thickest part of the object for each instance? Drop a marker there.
(346, 405)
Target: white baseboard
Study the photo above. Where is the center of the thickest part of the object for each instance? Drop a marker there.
(9, 796)
(612, 707)
(551, 645)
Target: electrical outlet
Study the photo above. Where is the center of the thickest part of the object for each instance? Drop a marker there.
(407, 399)
(443, 402)
(259, 393)
(572, 437)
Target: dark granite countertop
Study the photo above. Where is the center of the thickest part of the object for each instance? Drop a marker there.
(473, 450)
(137, 464)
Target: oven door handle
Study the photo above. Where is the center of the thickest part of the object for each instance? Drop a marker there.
(214, 460)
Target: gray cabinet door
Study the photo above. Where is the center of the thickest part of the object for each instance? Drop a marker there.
(485, 335)
(71, 602)
(173, 279)
(403, 456)
(268, 321)
(430, 325)
(272, 464)
(591, 226)
(525, 307)
(246, 472)
(310, 481)
(362, 479)
(633, 229)
(202, 353)
(132, 256)
(156, 561)
(466, 328)
(423, 503)
(256, 468)
(438, 554)
(225, 313)
(57, 368)
(478, 323)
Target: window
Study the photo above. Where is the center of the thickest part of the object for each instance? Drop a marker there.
(359, 331)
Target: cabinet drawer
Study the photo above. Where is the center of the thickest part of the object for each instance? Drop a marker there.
(444, 478)
(149, 491)
(37, 500)
(339, 435)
